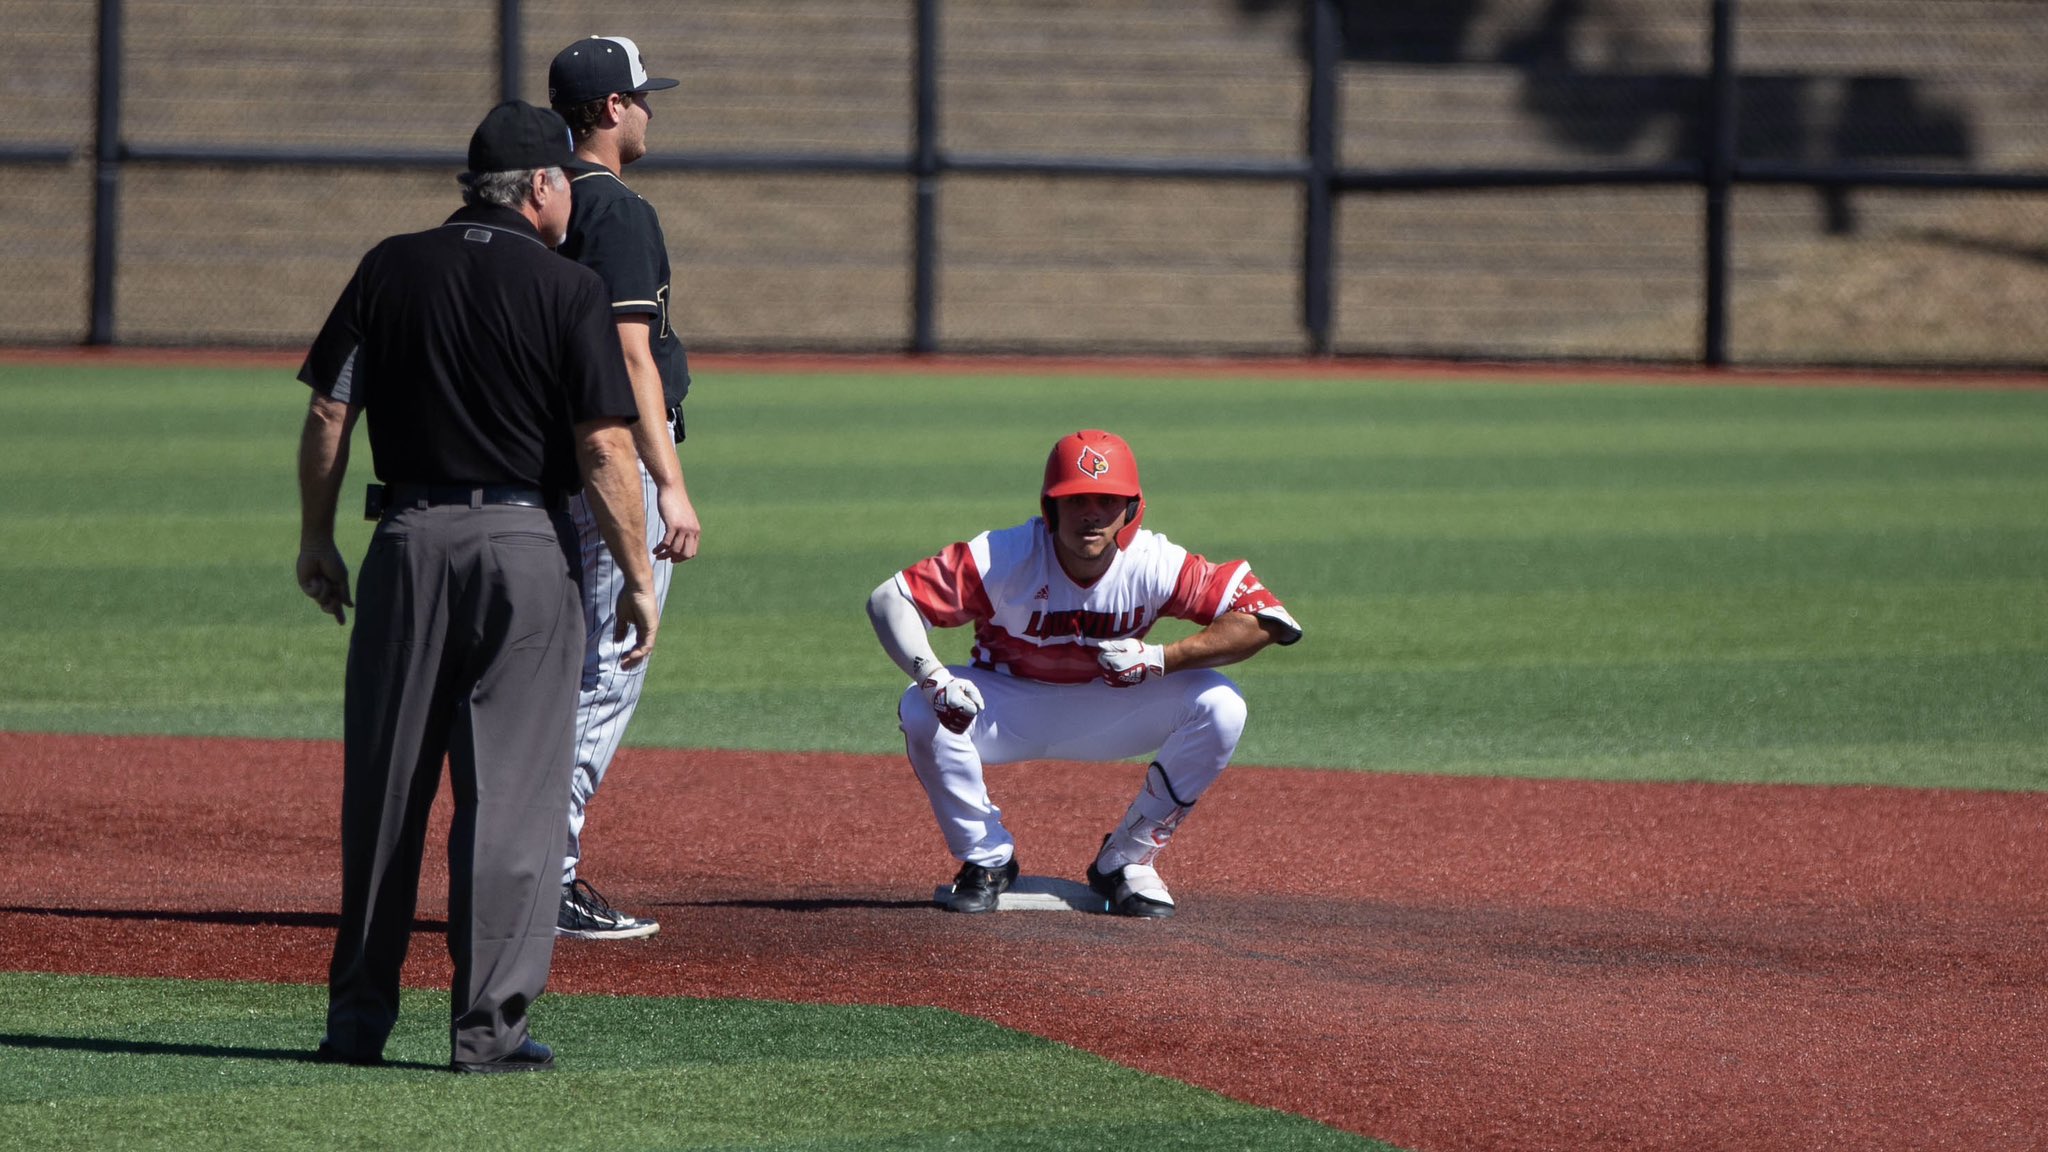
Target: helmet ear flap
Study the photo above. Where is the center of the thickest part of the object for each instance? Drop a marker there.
(1134, 514)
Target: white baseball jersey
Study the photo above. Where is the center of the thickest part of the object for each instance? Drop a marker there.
(1033, 621)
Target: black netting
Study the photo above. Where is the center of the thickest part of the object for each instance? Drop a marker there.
(767, 262)
(1922, 278)
(789, 76)
(46, 88)
(1137, 78)
(1608, 272)
(1123, 266)
(308, 73)
(46, 248)
(255, 256)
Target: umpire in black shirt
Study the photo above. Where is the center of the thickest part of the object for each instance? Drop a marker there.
(491, 374)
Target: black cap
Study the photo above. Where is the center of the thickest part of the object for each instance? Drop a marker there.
(516, 136)
(595, 67)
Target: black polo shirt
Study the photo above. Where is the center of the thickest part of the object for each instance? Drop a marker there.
(614, 232)
(473, 351)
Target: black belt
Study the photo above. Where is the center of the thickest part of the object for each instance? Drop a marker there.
(392, 497)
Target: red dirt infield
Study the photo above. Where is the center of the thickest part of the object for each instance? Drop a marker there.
(1442, 963)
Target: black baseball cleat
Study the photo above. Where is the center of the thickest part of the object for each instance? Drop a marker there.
(328, 1053)
(1132, 890)
(976, 889)
(585, 915)
(530, 1056)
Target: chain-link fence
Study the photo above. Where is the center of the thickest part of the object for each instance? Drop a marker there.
(1112, 176)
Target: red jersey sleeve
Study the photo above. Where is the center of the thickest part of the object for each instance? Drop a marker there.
(947, 588)
(1205, 591)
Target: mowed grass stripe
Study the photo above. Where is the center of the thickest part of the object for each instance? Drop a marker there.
(1557, 580)
(89, 1062)
(1988, 765)
(1582, 718)
(1475, 631)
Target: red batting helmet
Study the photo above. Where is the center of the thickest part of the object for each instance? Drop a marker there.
(1094, 461)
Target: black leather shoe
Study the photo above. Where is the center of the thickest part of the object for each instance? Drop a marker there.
(329, 1054)
(532, 1056)
(976, 889)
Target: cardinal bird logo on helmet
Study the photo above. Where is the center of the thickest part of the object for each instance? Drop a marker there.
(1094, 465)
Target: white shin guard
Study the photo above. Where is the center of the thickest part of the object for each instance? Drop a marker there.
(1148, 824)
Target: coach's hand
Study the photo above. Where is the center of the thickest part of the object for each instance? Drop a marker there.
(680, 530)
(1128, 662)
(956, 701)
(639, 616)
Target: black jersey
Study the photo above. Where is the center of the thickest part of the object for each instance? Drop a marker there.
(614, 232)
(473, 351)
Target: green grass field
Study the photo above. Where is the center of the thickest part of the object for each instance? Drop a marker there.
(92, 1063)
(1822, 585)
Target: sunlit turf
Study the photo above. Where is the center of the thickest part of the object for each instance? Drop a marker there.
(1827, 585)
(90, 1063)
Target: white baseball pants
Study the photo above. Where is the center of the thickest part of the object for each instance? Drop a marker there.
(609, 693)
(1189, 723)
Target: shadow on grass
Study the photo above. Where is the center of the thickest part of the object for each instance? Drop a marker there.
(327, 920)
(113, 1047)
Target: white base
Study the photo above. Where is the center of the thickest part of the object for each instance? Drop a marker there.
(1037, 894)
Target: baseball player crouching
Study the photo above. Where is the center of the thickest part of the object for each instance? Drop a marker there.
(1061, 669)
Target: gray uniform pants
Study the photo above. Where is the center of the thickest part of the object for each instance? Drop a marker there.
(610, 692)
(467, 639)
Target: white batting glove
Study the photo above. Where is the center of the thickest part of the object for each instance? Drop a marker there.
(1128, 662)
(956, 701)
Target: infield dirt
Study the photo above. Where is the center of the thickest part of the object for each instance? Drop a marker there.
(1439, 962)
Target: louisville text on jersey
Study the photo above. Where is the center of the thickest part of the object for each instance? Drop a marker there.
(1093, 625)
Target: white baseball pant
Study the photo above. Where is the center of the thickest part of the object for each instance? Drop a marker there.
(609, 693)
(1189, 723)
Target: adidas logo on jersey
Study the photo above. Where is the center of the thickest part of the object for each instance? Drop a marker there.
(1044, 592)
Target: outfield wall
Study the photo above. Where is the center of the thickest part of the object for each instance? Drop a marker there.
(251, 256)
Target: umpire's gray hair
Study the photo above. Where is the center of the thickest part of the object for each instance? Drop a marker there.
(505, 189)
